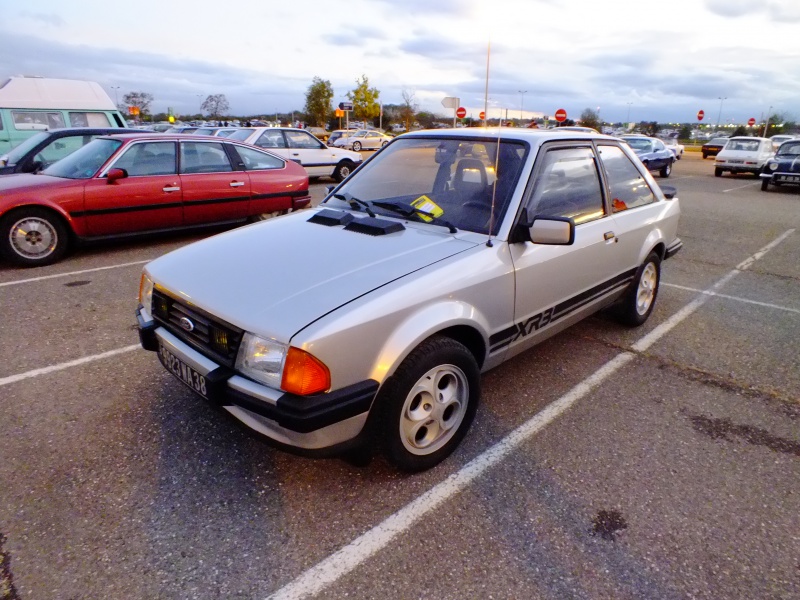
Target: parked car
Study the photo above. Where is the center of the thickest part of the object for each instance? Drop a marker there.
(784, 167)
(578, 129)
(676, 147)
(215, 131)
(713, 146)
(319, 132)
(300, 146)
(778, 139)
(120, 185)
(46, 147)
(652, 152)
(743, 154)
(404, 285)
(365, 139)
(339, 134)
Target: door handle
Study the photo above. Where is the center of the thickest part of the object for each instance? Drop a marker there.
(237, 183)
(608, 235)
(295, 154)
(172, 188)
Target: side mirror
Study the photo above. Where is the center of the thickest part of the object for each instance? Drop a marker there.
(552, 231)
(34, 166)
(669, 191)
(114, 174)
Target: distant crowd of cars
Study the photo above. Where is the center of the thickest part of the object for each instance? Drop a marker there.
(95, 176)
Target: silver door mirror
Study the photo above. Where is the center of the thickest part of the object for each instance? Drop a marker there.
(558, 231)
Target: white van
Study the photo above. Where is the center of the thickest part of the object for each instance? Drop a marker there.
(32, 104)
(743, 154)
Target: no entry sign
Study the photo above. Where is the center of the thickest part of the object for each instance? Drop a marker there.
(461, 112)
(700, 115)
(561, 115)
(482, 115)
(751, 121)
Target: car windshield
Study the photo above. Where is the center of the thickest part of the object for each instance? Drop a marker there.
(84, 162)
(18, 153)
(789, 150)
(455, 179)
(638, 143)
(241, 134)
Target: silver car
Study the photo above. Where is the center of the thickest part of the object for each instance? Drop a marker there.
(367, 321)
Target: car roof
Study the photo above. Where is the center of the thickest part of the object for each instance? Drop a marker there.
(534, 136)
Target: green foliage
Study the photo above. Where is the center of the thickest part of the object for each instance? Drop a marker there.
(590, 118)
(141, 99)
(685, 132)
(215, 105)
(650, 128)
(740, 130)
(318, 101)
(408, 109)
(365, 100)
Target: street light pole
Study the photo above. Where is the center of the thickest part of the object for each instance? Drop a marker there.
(521, 101)
(200, 102)
(486, 90)
(116, 98)
(766, 124)
(628, 119)
(719, 116)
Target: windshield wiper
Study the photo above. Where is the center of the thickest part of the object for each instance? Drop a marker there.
(355, 202)
(412, 211)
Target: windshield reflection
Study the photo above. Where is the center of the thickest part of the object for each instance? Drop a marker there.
(84, 162)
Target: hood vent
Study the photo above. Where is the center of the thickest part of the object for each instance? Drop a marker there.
(374, 226)
(331, 217)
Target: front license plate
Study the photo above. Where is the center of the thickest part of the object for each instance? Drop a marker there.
(789, 178)
(182, 371)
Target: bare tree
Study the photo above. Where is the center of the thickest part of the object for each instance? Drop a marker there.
(215, 105)
(408, 109)
(141, 100)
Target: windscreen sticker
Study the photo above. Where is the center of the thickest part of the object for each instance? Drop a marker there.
(427, 205)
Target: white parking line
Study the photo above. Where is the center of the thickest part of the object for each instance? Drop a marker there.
(42, 278)
(737, 298)
(66, 365)
(363, 547)
(741, 187)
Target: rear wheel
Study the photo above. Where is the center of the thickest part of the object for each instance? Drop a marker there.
(429, 404)
(343, 169)
(357, 146)
(666, 170)
(33, 237)
(637, 304)
(717, 172)
(268, 215)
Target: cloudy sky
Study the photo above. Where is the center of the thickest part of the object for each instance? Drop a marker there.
(660, 61)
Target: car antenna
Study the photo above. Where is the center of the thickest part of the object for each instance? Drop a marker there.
(494, 190)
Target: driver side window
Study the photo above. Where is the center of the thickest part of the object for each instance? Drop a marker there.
(567, 185)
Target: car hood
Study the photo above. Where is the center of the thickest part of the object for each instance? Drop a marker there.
(276, 277)
(23, 181)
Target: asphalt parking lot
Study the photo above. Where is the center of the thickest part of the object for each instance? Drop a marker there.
(659, 462)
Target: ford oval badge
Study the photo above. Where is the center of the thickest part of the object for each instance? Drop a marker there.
(186, 324)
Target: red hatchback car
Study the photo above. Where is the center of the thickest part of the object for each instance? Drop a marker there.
(131, 184)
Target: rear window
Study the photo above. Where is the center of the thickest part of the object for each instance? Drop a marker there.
(25, 120)
(88, 119)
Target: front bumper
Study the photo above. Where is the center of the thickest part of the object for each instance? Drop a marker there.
(673, 248)
(304, 422)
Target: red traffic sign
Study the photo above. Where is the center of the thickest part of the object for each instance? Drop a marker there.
(482, 116)
(561, 115)
(461, 112)
(700, 115)
(751, 121)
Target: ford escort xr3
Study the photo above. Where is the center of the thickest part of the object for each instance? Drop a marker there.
(441, 257)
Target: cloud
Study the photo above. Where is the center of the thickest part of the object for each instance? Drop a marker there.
(776, 10)
(47, 19)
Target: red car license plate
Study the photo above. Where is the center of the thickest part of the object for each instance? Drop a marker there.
(182, 371)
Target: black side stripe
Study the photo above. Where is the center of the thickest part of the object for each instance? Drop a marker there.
(507, 336)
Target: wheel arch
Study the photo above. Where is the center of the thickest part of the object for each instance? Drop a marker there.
(54, 209)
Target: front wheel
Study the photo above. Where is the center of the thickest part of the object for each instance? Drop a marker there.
(764, 184)
(357, 146)
(429, 404)
(343, 169)
(666, 170)
(637, 304)
(32, 237)
(717, 172)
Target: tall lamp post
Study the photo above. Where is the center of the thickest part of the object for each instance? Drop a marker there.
(628, 118)
(719, 116)
(766, 124)
(116, 98)
(521, 101)
(200, 102)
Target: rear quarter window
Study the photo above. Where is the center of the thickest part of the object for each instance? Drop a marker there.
(626, 184)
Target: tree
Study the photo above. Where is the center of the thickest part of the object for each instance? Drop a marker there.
(215, 105)
(590, 118)
(318, 101)
(141, 99)
(685, 132)
(365, 100)
(408, 109)
(648, 128)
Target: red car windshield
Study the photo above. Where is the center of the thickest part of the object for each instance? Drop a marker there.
(84, 162)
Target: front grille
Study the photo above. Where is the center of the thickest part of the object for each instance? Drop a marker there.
(210, 336)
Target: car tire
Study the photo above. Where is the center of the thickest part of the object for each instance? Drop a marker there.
(666, 170)
(268, 215)
(705, 155)
(33, 237)
(429, 404)
(343, 169)
(383, 143)
(764, 185)
(717, 172)
(638, 302)
(357, 146)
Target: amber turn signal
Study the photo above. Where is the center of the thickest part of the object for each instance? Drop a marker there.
(304, 374)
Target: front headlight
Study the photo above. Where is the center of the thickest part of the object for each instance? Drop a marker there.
(146, 295)
(261, 359)
(773, 166)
